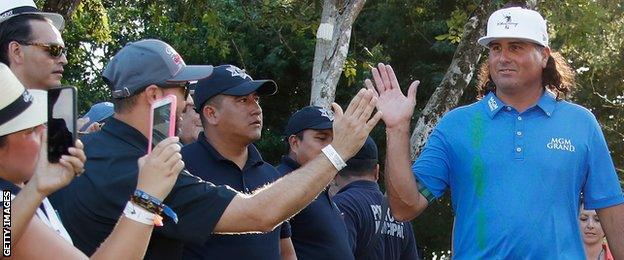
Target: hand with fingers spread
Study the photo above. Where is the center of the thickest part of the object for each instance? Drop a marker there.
(352, 126)
(397, 108)
(159, 170)
(50, 177)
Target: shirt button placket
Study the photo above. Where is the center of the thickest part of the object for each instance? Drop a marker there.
(518, 138)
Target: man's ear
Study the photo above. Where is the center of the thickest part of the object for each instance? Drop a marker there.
(211, 114)
(376, 172)
(545, 56)
(15, 53)
(153, 93)
(293, 142)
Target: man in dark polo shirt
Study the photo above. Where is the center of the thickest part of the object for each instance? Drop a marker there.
(138, 75)
(372, 234)
(318, 231)
(224, 154)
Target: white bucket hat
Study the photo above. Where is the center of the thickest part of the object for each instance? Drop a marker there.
(12, 8)
(516, 23)
(20, 108)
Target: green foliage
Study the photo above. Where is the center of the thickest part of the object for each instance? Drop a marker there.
(455, 25)
(589, 35)
(276, 39)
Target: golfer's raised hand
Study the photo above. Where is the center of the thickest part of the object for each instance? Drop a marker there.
(396, 108)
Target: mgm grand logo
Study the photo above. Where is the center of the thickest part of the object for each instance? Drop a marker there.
(560, 144)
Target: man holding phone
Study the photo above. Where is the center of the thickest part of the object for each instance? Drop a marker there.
(138, 75)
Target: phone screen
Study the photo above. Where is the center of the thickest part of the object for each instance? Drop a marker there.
(162, 115)
(61, 121)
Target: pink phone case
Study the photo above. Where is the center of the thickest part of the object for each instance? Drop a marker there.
(169, 100)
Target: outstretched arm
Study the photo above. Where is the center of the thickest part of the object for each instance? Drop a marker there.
(405, 200)
(276, 202)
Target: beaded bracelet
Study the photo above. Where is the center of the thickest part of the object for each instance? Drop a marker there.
(153, 204)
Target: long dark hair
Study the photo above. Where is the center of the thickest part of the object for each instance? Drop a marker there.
(557, 77)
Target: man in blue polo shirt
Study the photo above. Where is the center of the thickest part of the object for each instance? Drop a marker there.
(224, 154)
(516, 161)
(373, 232)
(318, 231)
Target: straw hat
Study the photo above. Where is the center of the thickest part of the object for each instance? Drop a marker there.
(19, 108)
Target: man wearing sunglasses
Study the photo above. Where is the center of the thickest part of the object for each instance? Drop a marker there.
(31, 44)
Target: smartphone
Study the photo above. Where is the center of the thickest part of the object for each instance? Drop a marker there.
(61, 121)
(162, 120)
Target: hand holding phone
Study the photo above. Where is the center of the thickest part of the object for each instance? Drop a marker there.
(162, 120)
(61, 121)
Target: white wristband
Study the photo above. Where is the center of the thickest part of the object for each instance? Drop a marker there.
(334, 157)
(138, 214)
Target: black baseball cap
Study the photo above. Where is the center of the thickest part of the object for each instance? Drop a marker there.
(145, 62)
(310, 117)
(230, 80)
(367, 152)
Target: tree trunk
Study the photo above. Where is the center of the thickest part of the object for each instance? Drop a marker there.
(63, 7)
(332, 46)
(458, 76)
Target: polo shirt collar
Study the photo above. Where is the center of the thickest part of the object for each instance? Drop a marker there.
(253, 155)
(363, 184)
(546, 103)
(7, 185)
(492, 104)
(123, 131)
(290, 163)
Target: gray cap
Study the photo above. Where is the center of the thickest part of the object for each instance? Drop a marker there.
(145, 62)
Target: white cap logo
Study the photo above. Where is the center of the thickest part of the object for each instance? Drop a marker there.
(326, 113)
(236, 72)
(507, 21)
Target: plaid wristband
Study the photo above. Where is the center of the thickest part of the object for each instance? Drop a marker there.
(426, 193)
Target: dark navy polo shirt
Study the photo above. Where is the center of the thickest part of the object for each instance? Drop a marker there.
(361, 203)
(91, 205)
(202, 160)
(318, 231)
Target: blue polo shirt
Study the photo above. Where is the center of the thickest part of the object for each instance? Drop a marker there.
(90, 206)
(318, 231)
(516, 178)
(361, 203)
(202, 160)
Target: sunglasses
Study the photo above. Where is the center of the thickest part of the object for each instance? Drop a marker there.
(187, 90)
(55, 50)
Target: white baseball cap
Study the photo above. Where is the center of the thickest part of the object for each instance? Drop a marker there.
(12, 8)
(516, 23)
(20, 108)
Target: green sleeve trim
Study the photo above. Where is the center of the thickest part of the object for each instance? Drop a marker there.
(426, 193)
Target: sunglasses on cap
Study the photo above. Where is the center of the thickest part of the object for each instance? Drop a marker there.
(55, 50)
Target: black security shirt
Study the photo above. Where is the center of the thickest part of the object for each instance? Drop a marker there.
(202, 160)
(91, 205)
(361, 203)
(318, 231)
